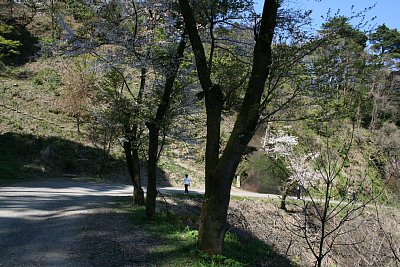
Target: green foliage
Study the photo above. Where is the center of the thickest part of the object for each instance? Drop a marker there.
(122, 107)
(46, 48)
(17, 44)
(7, 47)
(79, 10)
(341, 27)
(349, 81)
(386, 41)
(342, 73)
(221, 9)
(231, 73)
(215, 260)
(48, 78)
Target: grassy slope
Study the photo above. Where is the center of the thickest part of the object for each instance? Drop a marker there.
(36, 135)
(32, 110)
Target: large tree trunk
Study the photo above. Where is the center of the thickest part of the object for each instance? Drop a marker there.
(218, 188)
(220, 172)
(213, 212)
(154, 128)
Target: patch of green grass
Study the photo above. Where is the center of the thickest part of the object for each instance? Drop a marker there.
(178, 246)
(244, 198)
(189, 196)
(48, 78)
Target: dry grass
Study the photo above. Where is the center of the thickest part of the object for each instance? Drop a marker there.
(364, 244)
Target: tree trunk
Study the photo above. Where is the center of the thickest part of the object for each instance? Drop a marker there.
(131, 147)
(214, 209)
(213, 219)
(219, 172)
(283, 200)
(152, 171)
(138, 193)
(155, 125)
(133, 164)
(217, 201)
(218, 187)
(78, 123)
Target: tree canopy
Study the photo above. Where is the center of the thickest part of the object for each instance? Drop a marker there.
(386, 41)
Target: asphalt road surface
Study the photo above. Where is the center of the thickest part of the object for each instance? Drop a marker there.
(40, 221)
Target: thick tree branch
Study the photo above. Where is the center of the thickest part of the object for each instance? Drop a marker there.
(203, 71)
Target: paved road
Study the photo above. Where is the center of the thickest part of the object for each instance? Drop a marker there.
(234, 192)
(40, 221)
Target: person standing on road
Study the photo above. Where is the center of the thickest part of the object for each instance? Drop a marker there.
(186, 183)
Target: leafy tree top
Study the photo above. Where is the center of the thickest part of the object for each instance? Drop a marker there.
(342, 28)
(222, 10)
(386, 41)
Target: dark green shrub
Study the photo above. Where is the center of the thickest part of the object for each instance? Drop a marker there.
(266, 173)
(24, 44)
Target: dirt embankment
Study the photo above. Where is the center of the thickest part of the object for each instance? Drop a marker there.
(364, 241)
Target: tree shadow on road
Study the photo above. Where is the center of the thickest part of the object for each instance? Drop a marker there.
(96, 230)
(66, 230)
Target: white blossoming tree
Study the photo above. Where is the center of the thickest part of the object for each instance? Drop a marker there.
(302, 174)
